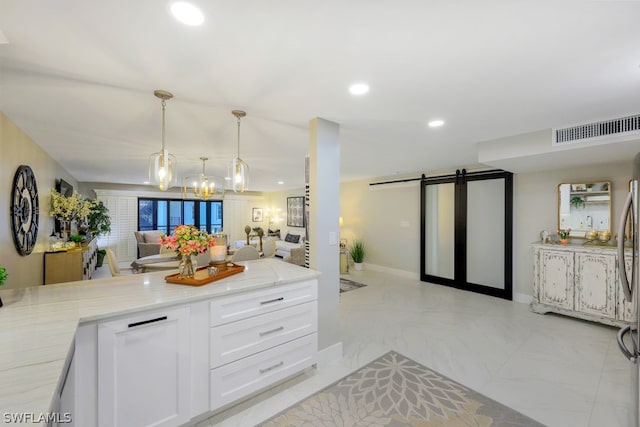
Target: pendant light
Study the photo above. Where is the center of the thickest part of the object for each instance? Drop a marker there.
(162, 165)
(202, 187)
(238, 170)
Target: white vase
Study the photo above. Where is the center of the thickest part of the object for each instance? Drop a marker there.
(357, 266)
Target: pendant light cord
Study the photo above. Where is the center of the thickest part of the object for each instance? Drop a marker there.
(238, 137)
(164, 107)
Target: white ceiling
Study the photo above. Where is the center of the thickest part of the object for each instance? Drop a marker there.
(78, 77)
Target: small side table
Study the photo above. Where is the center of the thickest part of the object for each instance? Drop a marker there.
(344, 261)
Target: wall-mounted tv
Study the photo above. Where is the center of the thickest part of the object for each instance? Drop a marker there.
(64, 188)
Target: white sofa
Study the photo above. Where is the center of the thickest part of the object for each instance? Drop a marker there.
(283, 247)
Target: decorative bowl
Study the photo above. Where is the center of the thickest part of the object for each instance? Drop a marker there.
(604, 236)
(591, 235)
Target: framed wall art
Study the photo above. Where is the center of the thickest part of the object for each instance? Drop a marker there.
(295, 211)
(257, 215)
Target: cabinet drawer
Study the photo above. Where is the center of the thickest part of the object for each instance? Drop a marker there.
(236, 340)
(251, 374)
(242, 306)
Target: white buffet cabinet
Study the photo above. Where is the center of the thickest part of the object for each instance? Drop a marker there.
(166, 355)
(580, 281)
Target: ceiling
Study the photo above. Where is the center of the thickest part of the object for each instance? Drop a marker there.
(78, 77)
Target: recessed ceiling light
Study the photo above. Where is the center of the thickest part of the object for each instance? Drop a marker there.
(280, 182)
(436, 123)
(146, 183)
(359, 88)
(187, 13)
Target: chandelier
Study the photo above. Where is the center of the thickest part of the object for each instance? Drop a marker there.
(202, 186)
(162, 165)
(238, 169)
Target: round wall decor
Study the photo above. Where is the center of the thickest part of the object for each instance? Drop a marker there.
(24, 210)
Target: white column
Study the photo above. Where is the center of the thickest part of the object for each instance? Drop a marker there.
(324, 211)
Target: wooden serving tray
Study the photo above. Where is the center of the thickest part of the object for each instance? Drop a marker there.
(202, 275)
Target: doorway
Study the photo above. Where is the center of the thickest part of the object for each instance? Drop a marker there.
(466, 231)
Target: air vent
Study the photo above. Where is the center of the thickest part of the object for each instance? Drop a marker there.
(622, 127)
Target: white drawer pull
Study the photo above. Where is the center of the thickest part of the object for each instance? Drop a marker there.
(271, 301)
(271, 331)
(270, 368)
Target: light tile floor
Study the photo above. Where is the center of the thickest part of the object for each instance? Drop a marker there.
(560, 371)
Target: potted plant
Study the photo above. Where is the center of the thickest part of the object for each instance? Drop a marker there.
(357, 253)
(98, 223)
(3, 278)
(564, 236)
(77, 239)
(577, 202)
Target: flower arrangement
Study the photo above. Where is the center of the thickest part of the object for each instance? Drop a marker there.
(70, 208)
(564, 234)
(188, 240)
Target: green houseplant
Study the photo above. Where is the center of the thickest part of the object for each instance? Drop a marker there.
(3, 278)
(564, 236)
(98, 223)
(577, 202)
(357, 253)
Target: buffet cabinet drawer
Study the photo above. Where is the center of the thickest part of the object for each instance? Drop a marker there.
(246, 376)
(233, 341)
(245, 305)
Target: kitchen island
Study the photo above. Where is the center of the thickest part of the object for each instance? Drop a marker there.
(66, 346)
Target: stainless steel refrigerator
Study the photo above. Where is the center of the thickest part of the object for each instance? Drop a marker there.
(628, 336)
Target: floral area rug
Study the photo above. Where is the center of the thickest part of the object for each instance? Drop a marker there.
(396, 391)
(347, 285)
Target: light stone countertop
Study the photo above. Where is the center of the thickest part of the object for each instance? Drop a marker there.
(592, 247)
(38, 324)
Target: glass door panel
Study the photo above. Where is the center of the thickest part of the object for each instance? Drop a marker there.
(486, 232)
(440, 230)
(466, 229)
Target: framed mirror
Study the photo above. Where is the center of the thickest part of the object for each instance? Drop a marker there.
(584, 206)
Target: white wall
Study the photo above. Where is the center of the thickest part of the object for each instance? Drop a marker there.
(387, 219)
(18, 149)
(536, 209)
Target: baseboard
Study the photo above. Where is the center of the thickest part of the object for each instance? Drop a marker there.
(394, 271)
(523, 298)
(329, 355)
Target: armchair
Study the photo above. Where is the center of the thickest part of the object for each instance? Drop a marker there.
(148, 242)
(296, 256)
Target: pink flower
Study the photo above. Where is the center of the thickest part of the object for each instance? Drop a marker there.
(188, 240)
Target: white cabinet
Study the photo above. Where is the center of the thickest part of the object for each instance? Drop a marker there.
(62, 407)
(143, 369)
(628, 311)
(580, 281)
(260, 338)
(595, 284)
(168, 367)
(555, 277)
